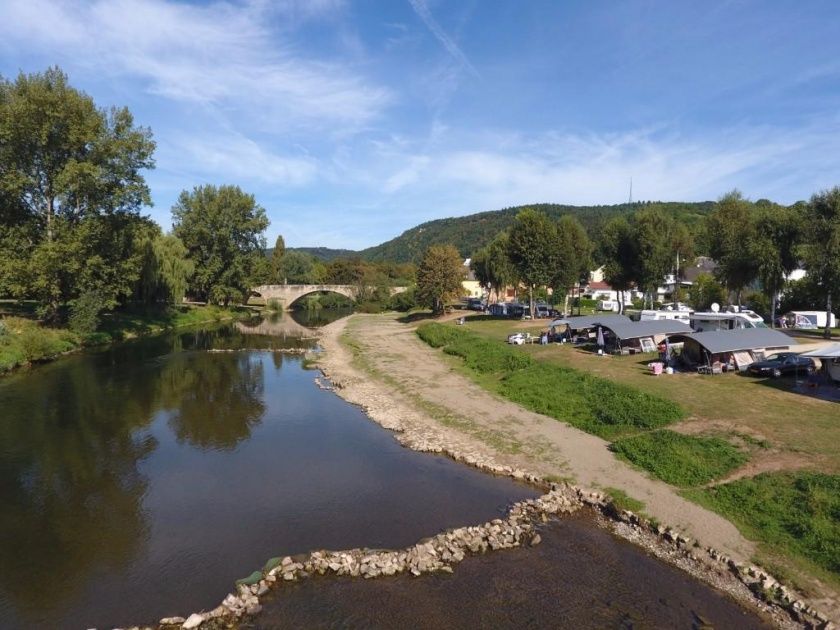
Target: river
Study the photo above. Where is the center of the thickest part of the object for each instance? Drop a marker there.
(141, 480)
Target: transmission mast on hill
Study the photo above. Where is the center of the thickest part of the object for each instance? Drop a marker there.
(630, 201)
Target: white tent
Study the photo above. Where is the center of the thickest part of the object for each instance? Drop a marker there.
(829, 355)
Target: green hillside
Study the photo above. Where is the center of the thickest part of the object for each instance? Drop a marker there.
(471, 232)
(326, 254)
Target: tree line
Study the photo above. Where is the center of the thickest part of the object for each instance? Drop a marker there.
(754, 244)
(74, 238)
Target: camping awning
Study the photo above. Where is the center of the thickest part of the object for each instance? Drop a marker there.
(650, 328)
(590, 321)
(828, 351)
(717, 341)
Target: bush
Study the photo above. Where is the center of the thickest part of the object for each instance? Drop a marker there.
(274, 305)
(404, 301)
(682, 460)
(84, 313)
(799, 512)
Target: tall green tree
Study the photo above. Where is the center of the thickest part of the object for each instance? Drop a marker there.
(822, 252)
(653, 233)
(775, 248)
(534, 250)
(731, 232)
(439, 277)
(68, 171)
(222, 228)
(574, 256)
(618, 252)
(277, 257)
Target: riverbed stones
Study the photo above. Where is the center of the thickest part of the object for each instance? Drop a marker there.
(193, 621)
(172, 621)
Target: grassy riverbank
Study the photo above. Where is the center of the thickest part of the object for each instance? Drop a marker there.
(739, 446)
(24, 341)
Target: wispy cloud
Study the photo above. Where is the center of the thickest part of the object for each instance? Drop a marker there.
(220, 55)
(422, 10)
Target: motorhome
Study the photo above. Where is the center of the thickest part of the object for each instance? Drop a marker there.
(703, 322)
(648, 315)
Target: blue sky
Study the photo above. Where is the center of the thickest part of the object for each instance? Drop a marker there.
(351, 121)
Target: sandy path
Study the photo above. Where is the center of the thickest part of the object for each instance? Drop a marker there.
(407, 385)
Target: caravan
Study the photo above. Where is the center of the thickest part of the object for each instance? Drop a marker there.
(809, 319)
(715, 320)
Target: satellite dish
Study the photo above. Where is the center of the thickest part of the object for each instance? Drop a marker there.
(715, 307)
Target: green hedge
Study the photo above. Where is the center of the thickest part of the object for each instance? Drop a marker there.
(682, 460)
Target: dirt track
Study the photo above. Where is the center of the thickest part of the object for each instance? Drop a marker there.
(413, 386)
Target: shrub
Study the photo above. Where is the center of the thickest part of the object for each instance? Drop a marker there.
(274, 305)
(404, 301)
(84, 313)
(682, 460)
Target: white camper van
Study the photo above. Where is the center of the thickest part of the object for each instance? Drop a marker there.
(648, 315)
(715, 320)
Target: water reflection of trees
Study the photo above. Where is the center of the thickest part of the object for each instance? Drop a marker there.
(72, 437)
(69, 447)
(218, 399)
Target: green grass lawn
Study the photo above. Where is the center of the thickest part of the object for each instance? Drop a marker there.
(795, 512)
(681, 460)
(593, 404)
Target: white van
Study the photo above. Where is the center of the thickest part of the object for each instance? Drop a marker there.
(809, 319)
(702, 322)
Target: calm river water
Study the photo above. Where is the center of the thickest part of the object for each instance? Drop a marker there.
(141, 481)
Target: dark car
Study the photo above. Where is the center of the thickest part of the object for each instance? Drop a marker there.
(782, 363)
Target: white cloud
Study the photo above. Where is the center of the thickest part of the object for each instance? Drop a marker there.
(235, 158)
(222, 55)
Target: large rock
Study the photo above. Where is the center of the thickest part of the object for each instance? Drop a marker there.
(193, 621)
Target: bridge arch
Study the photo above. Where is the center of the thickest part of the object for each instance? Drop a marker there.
(288, 294)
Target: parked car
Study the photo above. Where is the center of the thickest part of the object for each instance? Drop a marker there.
(475, 304)
(782, 363)
(519, 338)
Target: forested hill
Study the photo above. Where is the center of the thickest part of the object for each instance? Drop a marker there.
(325, 254)
(471, 232)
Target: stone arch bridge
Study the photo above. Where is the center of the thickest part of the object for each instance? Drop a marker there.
(288, 294)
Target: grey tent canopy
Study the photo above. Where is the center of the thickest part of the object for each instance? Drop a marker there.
(741, 339)
(582, 322)
(636, 330)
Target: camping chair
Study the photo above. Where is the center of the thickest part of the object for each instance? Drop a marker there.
(717, 368)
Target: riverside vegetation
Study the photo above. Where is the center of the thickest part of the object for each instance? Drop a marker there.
(792, 513)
